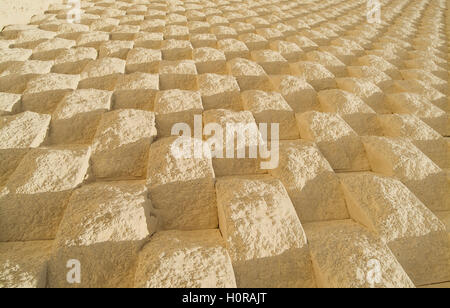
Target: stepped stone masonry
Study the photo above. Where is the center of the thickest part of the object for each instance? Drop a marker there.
(132, 144)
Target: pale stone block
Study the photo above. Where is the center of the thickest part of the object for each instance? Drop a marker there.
(104, 227)
(74, 60)
(150, 40)
(289, 50)
(210, 60)
(303, 42)
(24, 264)
(265, 238)
(315, 74)
(254, 41)
(330, 62)
(233, 48)
(338, 142)
(370, 73)
(92, 39)
(181, 185)
(51, 49)
(176, 50)
(271, 61)
(43, 93)
(382, 65)
(344, 254)
(10, 103)
(310, 182)
(176, 106)
(115, 49)
(102, 74)
(203, 40)
(271, 107)
(121, 144)
(76, 117)
(219, 91)
(124, 32)
(136, 90)
(205, 261)
(224, 32)
(143, 60)
(427, 78)
(249, 75)
(178, 75)
(176, 32)
(400, 158)
(34, 197)
(299, 94)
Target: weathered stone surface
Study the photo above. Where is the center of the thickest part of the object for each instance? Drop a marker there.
(182, 185)
(413, 233)
(178, 75)
(136, 91)
(264, 238)
(105, 225)
(338, 142)
(205, 262)
(346, 255)
(143, 60)
(209, 60)
(24, 264)
(315, 74)
(249, 75)
(219, 91)
(121, 144)
(34, 197)
(102, 74)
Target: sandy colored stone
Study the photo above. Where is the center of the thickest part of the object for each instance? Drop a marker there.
(102, 74)
(205, 261)
(44, 93)
(104, 227)
(176, 50)
(346, 255)
(310, 182)
(414, 234)
(398, 157)
(381, 64)
(361, 118)
(115, 49)
(427, 78)
(34, 197)
(254, 41)
(143, 60)
(74, 60)
(77, 116)
(209, 60)
(303, 42)
(136, 90)
(92, 39)
(233, 48)
(200, 40)
(371, 74)
(265, 238)
(181, 185)
(289, 50)
(178, 75)
(249, 75)
(271, 61)
(219, 91)
(50, 49)
(315, 74)
(269, 108)
(9, 103)
(418, 105)
(24, 264)
(330, 62)
(338, 142)
(32, 68)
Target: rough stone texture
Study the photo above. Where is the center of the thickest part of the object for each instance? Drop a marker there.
(367, 97)
(104, 227)
(185, 259)
(265, 238)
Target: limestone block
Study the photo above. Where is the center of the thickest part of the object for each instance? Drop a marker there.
(210, 60)
(150, 40)
(330, 62)
(338, 142)
(92, 39)
(51, 49)
(121, 144)
(254, 41)
(413, 233)
(418, 105)
(271, 107)
(288, 50)
(444, 217)
(271, 61)
(427, 78)
(43, 93)
(315, 74)
(176, 106)
(34, 198)
(224, 32)
(104, 227)
(421, 135)
(181, 185)
(400, 158)
(370, 73)
(205, 261)
(136, 90)
(9, 56)
(316, 36)
(102, 74)
(382, 65)
(343, 54)
(361, 118)
(115, 49)
(310, 182)
(198, 27)
(24, 264)
(203, 40)
(10, 103)
(249, 75)
(243, 27)
(418, 87)
(176, 32)
(303, 42)
(74, 60)
(124, 32)
(154, 25)
(233, 48)
(346, 255)
(299, 94)
(143, 60)
(241, 135)
(178, 75)
(264, 238)
(176, 50)
(76, 117)
(29, 68)
(219, 91)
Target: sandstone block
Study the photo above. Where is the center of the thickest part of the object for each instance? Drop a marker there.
(254, 41)
(210, 60)
(330, 62)
(264, 235)
(288, 50)
(102, 74)
(176, 50)
(115, 49)
(203, 40)
(219, 91)
(136, 90)
(205, 261)
(9, 103)
(233, 48)
(271, 61)
(150, 40)
(48, 50)
(315, 74)
(249, 75)
(371, 74)
(74, 60)
(178, 75)
(143, 60)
